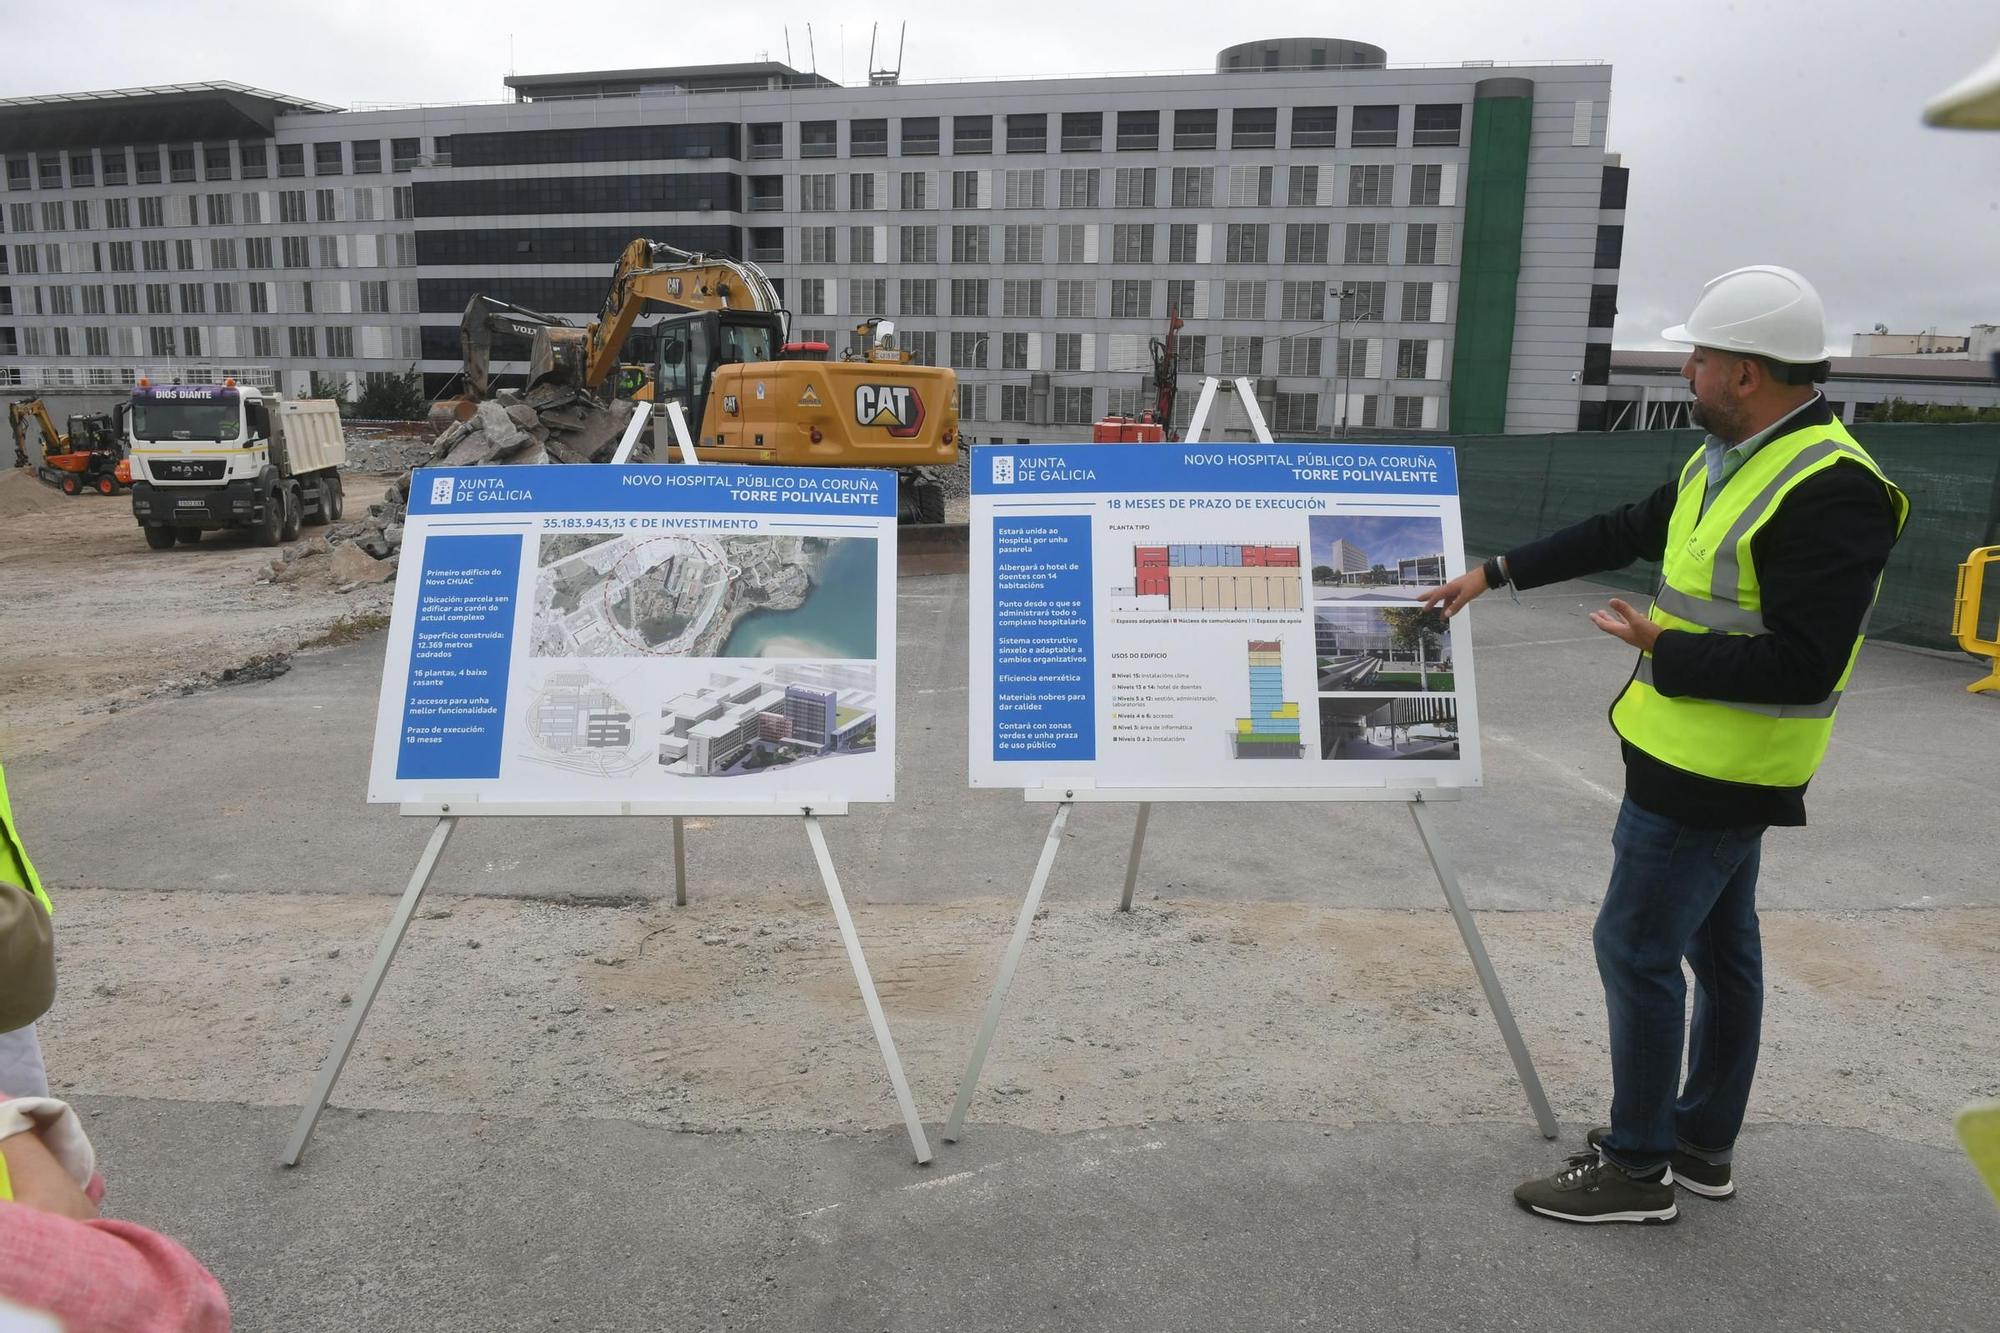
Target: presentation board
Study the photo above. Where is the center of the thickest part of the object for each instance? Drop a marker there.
(593, 634)
(1217, 615)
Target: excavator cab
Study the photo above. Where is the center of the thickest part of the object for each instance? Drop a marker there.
(691, 347)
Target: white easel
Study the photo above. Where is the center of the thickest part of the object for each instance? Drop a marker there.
(1418, 798)
(449, 812)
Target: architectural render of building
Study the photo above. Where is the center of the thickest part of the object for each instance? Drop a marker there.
(1272, 729)
(1374, 247)
(785, 712)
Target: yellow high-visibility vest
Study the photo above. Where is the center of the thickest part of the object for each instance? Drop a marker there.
(15, 867)
(1710, 587)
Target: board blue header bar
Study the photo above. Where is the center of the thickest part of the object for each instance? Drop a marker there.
(673, 488)
(1209, 469)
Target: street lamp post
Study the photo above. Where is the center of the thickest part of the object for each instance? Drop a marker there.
(1342, 293)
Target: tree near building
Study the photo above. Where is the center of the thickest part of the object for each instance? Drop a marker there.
(1418, 630)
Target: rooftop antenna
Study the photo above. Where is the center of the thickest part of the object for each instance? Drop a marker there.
(811, 50)
(788, 44)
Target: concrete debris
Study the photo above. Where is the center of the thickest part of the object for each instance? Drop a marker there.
(353, 564)
(549, 424)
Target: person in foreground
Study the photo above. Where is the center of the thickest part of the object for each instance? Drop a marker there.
(1773, 540)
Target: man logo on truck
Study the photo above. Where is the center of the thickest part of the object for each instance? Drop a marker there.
(894, 407)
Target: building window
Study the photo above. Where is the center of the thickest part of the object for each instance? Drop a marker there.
(1243, 300)
(867, 138)
(867, 297)
(1253, 127)
(816, 245)
(919, 136)
(1069, 351)
(1071, 407)
(1367, 243)
(921, 344)
(1076, 298)
(1372, 186)
(1022, 243)
(965, 190)
(1610, 246)
(1076, 188)
(1302, 187)
(969, 246)
(404, 154)
(257, 252)
(52, 216)
(1082, 131)
(1131, 298)
(1023, 189)
(1375, 126)
(1192, 354)
(367, 157)
(1180, 296)
(1183, 242)
(152, 211)
(767, 139)
(1315, 126)
(160, 341)
(82, 169)
(819, 138)
(146, 165)
(1295, 413)
(1436, 126)
(222, 253)
(1021, 298)
(155, 254)
(1242, 356)
(114, 165)
(291, 159)
(968, 297)
(861, 192)
(919, 296)
(1611, 189)
(1194, 129)
(816, 193)
(297, 253)
(304, 340)
(972, 402)
(1363, 300)
(1013, 401)
(1028, 133)
(1250, 187)
(914, 190)
(812, 296)
(1192, 187)
(327, 159)
(861, 246)
(1306, 242)
(250, 161)
(1407, 412)
(1013, 351)
(1247, 243)
(1413, 358)
(260, 298)
(971, 134)
(968, 350)
(1132, 243)
(1072, 244)
(1603, 305)
(121, 256)
(1420, 243)
(1299, 356)
(326, 205)
(1597, 363)
(180, 165)
(1134, 186)
(291, 205)
(1426, 184)
(1302, 300)
(917, 245)
(1138, 130)
(1417, 300)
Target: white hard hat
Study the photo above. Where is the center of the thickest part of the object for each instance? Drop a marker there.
(1973, 103)
(1761, 309)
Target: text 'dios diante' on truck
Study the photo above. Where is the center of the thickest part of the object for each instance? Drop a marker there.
(213, 457)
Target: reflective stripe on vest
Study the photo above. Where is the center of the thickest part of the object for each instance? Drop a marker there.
(15, 867)
(1709, 585)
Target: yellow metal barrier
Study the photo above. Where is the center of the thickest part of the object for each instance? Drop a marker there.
(1965, 615)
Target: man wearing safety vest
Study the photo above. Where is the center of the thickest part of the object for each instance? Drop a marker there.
(1772, 539)
(27, 962)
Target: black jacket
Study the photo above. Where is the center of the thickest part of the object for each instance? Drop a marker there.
(1818, 559)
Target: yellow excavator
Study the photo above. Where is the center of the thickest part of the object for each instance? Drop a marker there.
(85, 458)
(746, 396)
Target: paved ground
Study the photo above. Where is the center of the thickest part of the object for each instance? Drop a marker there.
(563, 1206)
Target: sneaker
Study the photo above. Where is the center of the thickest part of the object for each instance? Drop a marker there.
(1708, 1179)
(1589, 1189)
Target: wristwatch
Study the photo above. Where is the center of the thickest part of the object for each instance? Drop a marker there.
(1496, 571)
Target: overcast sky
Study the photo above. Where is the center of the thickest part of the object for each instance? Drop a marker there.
(1776, 131)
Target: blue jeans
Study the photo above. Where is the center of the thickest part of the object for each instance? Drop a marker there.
(1679, 891)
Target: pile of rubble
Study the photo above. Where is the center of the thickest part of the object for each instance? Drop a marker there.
(548, 424)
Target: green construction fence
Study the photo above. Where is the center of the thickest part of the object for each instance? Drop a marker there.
(1515, 488)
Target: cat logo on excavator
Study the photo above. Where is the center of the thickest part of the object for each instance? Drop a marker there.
(894, 407)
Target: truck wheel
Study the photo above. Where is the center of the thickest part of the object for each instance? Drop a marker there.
(271, 531)
(70, 485)
(107, 486)
(160, 539)
(336, 497)
(294, 515)
(930, 502)
(188, 536)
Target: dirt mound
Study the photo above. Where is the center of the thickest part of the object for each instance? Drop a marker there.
(21, 493)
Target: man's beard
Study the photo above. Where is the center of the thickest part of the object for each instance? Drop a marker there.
(1716, 421)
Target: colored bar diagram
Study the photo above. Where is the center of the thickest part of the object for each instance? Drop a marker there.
(1217, 577)
(1272, 729)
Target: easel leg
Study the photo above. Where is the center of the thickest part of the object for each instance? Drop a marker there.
(680, 862)
(817, 837)
(1138, 849)
(1488, 979)
(1022, 925)
(385, 953)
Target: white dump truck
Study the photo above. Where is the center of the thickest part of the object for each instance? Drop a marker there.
(212, 457)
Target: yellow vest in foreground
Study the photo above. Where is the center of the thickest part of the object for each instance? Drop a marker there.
(1710, 587)
(15, 867)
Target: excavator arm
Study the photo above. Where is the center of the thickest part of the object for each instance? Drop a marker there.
(485, 316)
(19, 415)
(655, 271)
